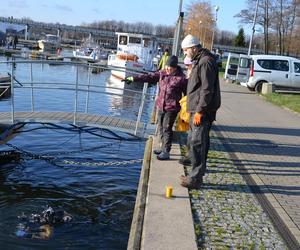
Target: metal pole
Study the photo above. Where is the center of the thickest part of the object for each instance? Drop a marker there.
(12, 94)
(212, 39)
(215, 26)
(141, 107)
(26, 32)
(88, 90)
(253, 28)
(76, 98)
(31, 81)
(175, 40)
(177, 33)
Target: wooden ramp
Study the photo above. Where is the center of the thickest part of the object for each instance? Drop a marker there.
(82, 119)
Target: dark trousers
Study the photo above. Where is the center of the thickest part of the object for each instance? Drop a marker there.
(166, 121)
(199, 146)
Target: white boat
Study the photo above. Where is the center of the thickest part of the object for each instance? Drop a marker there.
(4, 85)
(49, 43)
(90, 51)
(135, 53)
(88, 54)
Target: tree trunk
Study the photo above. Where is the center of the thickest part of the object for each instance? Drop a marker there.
(280, 30)
(266, 27)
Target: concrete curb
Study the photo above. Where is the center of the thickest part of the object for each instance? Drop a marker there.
(134, 241)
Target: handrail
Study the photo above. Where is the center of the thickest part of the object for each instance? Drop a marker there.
(31, 81)
(12, 94)
(141, 107)
(37, 86)
(77, 87)
(84, 64)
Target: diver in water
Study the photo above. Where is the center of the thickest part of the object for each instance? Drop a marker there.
(40, 226)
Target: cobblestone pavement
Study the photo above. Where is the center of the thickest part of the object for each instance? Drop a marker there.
(225, 211)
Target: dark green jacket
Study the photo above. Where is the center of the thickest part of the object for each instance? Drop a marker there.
(203, 91)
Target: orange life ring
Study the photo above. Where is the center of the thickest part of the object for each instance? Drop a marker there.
(128, 57)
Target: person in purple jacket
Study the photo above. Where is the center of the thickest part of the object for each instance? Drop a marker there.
(172, 85)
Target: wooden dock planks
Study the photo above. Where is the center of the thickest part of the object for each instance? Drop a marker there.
(67, 117)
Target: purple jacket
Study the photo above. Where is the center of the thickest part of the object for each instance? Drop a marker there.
(171, 88)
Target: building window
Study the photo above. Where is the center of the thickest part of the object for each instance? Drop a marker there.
(136, 40)
(123, 40)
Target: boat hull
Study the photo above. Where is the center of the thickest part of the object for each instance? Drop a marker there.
(77, 54)
(124, 68)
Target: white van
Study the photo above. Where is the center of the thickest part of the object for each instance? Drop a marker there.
(231, 66)
(282, 71)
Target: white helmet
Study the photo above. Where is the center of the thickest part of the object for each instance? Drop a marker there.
(189, 41)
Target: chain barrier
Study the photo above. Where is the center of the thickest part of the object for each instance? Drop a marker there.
(102, 164)
(55, 161)
(32, 155)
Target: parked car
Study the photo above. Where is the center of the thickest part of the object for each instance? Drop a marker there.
(282, 71)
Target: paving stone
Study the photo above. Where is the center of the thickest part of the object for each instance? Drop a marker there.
(233, 220)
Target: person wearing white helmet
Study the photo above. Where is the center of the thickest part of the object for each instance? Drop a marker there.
(203, 101)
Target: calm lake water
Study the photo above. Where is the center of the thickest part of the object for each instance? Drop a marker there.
(62, 166)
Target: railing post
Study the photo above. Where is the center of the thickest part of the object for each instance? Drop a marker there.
(141, 107)
(12, 94)
(76, 97)
(88, 90)
(31, 81)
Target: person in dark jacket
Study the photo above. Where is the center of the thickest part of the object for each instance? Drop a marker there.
(203, 101)
(15, 41)
(172, 85)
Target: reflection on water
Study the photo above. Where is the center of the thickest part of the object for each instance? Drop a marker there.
(62, 168)
(126, 96)
(116, 98)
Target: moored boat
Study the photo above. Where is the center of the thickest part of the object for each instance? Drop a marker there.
(49, 43)
(85, 53)
(4, 85)
(135, 53)
(89, 51)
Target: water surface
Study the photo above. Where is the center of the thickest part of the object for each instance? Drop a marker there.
(62, 166)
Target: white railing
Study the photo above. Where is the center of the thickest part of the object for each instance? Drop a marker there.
(76, 87)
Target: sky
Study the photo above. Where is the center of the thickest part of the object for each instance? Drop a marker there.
(76, 12)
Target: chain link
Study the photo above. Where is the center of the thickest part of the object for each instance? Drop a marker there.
(55, 161)
(102, 164)
(32, 155)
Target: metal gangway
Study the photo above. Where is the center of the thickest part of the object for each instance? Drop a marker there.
(74, 116)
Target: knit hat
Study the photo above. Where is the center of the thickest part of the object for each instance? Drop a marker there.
(189, 41)
(172, 61)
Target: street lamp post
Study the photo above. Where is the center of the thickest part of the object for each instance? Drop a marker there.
(215, 26)
(200, 34)
(253, 28)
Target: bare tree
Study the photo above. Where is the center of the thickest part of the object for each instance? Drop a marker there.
(200, 21)
(226, 37)
(278, 18)
(137, 27)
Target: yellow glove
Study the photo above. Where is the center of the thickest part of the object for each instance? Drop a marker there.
(197, 119)
(128, 80)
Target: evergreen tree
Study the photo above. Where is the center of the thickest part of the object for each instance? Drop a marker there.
(239, 41)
